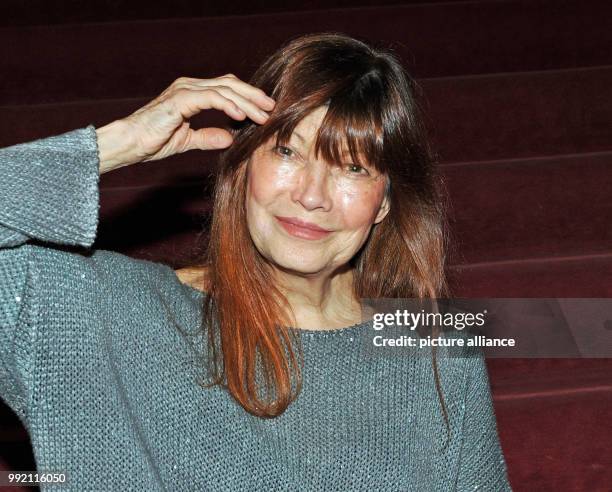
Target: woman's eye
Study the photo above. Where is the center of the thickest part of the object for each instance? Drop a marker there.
(357, 169)
(283, 151)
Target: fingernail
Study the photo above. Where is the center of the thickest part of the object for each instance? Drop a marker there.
(264, 114)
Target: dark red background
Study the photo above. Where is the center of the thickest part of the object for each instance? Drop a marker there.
(517, 96)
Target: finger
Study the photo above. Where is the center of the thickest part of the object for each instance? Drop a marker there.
(248, 91)
(209, 139)
(251, 109)
(190, 102)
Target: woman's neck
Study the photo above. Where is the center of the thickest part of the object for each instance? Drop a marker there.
(321, 301)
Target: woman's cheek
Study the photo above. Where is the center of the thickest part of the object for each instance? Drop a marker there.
(359, 209)
(284, 175)
(268, 180)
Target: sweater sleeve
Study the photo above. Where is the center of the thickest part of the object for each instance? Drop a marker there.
(482, 465)
(49, 194)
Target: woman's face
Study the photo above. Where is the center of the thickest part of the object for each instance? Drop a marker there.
(287, 186)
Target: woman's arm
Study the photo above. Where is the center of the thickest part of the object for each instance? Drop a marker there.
(49, 196)
(49, 190)
(113, 145)
(48, 193)
(482, 465)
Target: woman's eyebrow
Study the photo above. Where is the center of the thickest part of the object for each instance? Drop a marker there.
(344, 155)
(299, 136)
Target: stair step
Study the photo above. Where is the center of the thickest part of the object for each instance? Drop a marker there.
(528, 114)
(532, 208)
(46, 12)
(140, 58)
(582, 276)
(530, 378)
(557, 443)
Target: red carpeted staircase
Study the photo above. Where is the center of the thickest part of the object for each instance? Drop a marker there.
(518, 102)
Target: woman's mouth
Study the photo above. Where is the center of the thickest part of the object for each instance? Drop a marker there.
(302, 229)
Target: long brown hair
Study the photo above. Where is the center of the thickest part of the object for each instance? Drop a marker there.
(372, 107)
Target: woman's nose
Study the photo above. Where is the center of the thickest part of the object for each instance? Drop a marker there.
(312, 190)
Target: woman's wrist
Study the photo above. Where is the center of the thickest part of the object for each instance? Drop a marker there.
(115, 148)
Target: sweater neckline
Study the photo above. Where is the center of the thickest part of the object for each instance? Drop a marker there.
(350, 330)
(345, 331)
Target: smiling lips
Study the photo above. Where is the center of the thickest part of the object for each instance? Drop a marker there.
(302, 229)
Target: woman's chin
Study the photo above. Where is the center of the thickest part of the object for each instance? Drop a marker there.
(300, 266)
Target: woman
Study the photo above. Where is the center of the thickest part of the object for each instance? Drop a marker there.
(326, 194)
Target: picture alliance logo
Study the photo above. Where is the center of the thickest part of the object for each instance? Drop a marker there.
(413, 320)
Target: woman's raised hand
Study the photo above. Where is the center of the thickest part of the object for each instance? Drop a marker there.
(161, 128)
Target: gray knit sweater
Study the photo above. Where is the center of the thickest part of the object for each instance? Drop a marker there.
(94, 364)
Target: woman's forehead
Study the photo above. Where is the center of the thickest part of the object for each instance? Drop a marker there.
(309, 128)
(310, 124)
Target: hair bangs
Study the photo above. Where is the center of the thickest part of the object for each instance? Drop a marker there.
(351, 131)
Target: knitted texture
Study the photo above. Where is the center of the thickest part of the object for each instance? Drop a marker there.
(101, 353)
